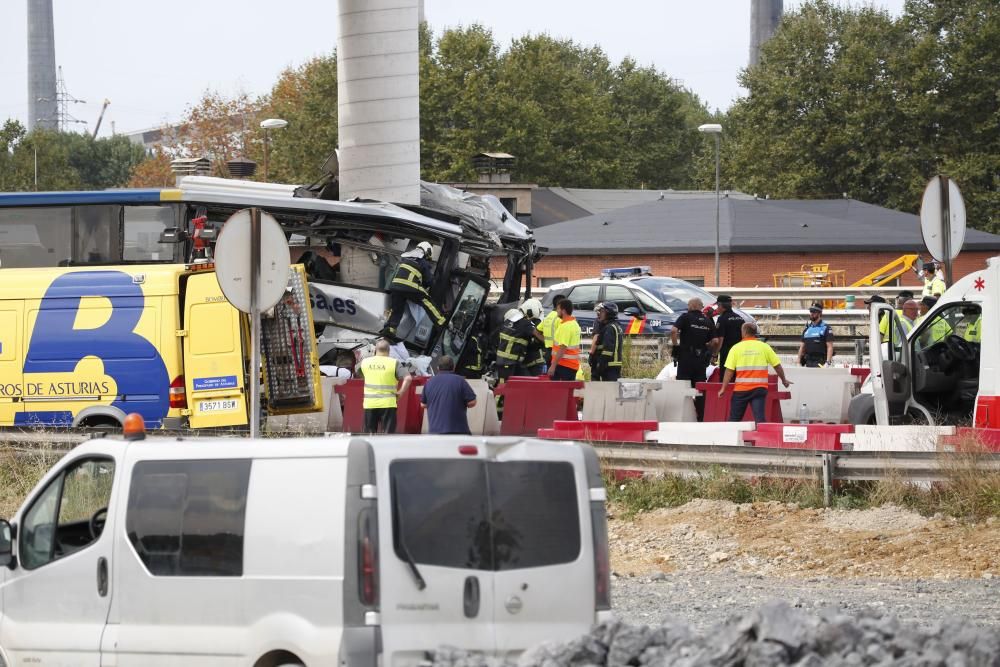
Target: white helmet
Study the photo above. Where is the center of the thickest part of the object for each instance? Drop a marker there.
(531, 308)
(513, 315)
(426, 248)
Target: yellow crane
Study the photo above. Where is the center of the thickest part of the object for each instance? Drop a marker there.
(888, 273)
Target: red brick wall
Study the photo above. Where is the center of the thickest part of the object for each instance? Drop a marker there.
(741, 270)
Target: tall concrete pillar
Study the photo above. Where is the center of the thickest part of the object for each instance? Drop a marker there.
(764, 18)
(42, 104)
(378, 104)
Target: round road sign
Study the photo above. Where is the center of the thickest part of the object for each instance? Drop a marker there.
(232, 261)
(932, 222)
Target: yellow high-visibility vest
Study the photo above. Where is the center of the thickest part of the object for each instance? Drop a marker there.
(380, 382)
(749, 360)
(548, 327)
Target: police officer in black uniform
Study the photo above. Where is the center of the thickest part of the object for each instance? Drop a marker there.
(694, 339)
(816, 348)
(728, 328)
(606, 359)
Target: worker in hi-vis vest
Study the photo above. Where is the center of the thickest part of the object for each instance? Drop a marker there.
(566, 344)
(409, 285)
(546, 330)
(382, 373)
(746, 367)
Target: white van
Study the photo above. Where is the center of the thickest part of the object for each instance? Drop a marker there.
(339, 551)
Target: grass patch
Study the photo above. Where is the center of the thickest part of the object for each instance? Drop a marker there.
(968, 493)
(20, 470)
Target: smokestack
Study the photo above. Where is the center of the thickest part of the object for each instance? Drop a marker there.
(378, 100)
(764, 18)
(42, 104)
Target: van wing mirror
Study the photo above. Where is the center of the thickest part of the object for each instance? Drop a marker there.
(6, 544)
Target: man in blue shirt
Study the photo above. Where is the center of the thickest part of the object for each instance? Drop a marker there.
(448, 397)
(816, 348)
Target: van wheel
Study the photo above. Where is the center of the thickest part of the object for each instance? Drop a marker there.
(101, 424)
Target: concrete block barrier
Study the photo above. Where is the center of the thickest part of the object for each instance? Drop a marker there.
(915, 438)
(826, 391)
(695, 433)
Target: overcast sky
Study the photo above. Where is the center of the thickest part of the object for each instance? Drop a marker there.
(152, 60)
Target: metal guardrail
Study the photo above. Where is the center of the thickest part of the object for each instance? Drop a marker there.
(827, 466)
(774, 293)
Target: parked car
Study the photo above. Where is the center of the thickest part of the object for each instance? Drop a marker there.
(339, 551)
(661, 299)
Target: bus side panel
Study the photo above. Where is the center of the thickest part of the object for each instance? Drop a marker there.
(11, 360)
(93, 346)
(213, 356)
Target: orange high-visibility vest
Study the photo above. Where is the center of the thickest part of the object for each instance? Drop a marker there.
(567, 339)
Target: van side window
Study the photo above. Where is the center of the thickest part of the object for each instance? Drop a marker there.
(187, 518)
(485, 515)
(141, 235)
(69, 514)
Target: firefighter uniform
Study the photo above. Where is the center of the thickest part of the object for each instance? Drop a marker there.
(513, 345)
(410, 285)
(608, 358)
(534, 356)
(471, 367)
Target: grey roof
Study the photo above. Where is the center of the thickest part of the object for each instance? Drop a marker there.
(687, 225)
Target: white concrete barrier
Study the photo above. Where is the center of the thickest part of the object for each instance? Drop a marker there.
(328, 420)
(826, 392)
(696, 433)
(910, 438)
(483, 419)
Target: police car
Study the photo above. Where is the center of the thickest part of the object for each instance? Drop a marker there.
(660, 299)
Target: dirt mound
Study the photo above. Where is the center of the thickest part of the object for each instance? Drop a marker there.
(775, 539)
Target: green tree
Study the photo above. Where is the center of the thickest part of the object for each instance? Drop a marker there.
(461, 112)
(850, 100)
(305, 96)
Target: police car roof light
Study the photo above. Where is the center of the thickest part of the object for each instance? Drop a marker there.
(626, 272)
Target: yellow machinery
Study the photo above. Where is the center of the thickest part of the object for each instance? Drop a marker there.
(888, 273)
(810, 275)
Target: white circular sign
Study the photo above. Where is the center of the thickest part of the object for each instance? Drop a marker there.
(232, 261)
(932, 219)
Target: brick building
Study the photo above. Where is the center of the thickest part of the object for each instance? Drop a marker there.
(675, 235)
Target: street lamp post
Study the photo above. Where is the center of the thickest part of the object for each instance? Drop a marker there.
(716, 129)
(266, 125)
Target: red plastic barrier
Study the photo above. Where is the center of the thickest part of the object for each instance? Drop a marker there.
(717, 409)
(409, 410)
(825, 437)
(353, 392)
(861, 374)
(989, 437)
(534, 403)
(599, 430)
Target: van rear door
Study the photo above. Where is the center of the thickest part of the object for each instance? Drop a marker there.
(501, 536)
(436, 583)
(545, 564)
(11, 360)
(213, 356)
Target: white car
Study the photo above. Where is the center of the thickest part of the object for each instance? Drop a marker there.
(338, 551)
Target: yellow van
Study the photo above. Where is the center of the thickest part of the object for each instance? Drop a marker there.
(83, 347)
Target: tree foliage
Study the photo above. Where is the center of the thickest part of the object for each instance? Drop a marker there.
(64, 160)
(851, 100)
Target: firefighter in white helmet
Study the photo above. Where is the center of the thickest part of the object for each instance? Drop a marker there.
(534, 356)
(410, 285)
(516, 336)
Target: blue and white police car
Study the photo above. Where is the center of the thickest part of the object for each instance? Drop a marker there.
(660, 299)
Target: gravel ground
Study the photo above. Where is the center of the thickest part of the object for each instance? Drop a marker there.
(705, 598)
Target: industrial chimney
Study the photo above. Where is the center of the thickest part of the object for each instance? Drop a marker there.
(378, 100)
(42, 102)
(764, 18)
